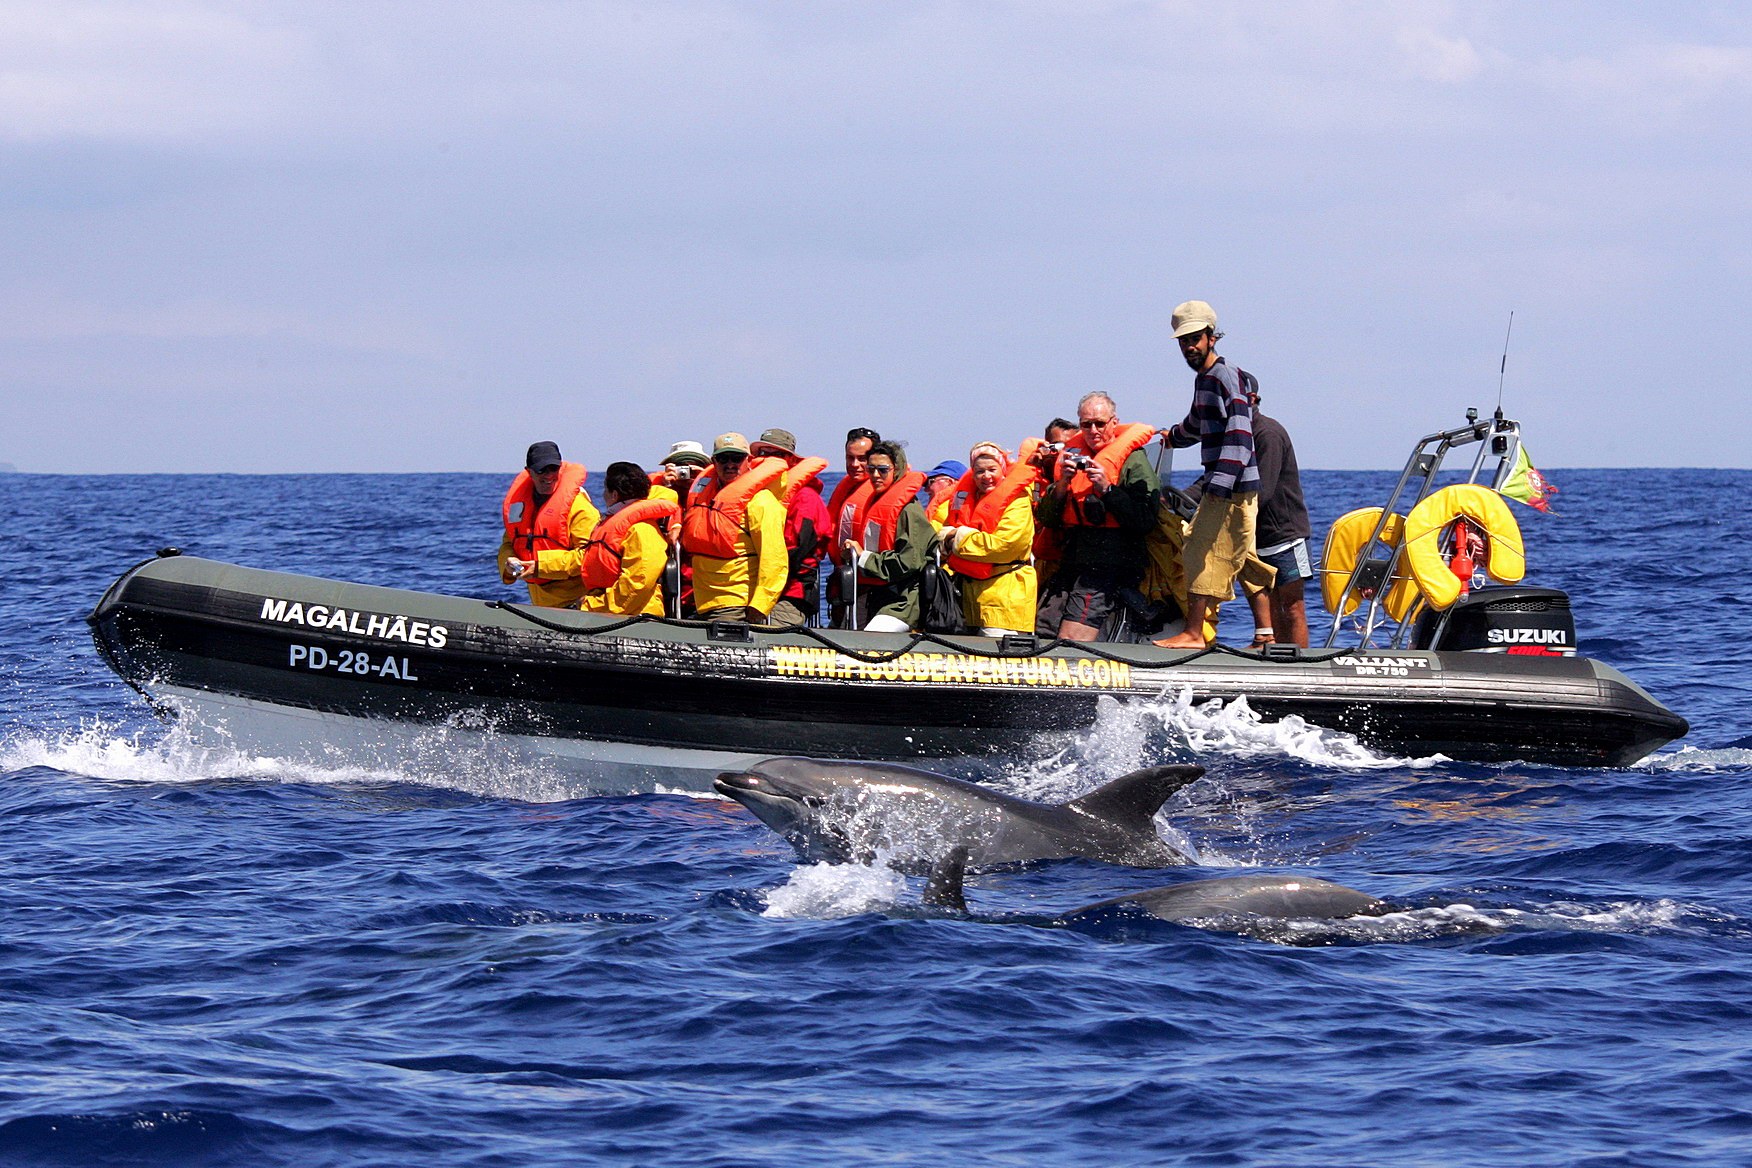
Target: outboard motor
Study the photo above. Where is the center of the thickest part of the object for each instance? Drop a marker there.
(1518, 619)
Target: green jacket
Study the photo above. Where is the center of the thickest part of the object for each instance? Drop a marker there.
(1132, 501)
(901, 567)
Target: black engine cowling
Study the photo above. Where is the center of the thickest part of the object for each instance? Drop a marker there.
(1518, 619)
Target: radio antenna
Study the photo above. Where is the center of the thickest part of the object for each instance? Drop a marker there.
(1504, 367)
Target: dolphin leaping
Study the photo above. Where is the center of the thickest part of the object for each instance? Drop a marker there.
(843, 812)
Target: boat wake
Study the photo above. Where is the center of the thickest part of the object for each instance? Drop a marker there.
(457, 758)
(469, 754)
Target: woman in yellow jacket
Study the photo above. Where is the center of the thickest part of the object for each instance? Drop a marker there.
(637, 564)
(990, 543)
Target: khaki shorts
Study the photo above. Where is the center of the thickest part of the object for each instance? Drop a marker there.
(1219, 543)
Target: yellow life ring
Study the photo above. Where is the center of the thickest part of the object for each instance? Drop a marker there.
(1506, 559)
(1344, 543)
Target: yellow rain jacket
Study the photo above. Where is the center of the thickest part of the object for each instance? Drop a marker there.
(560, 566)
(756, 578)
(1004, 601)
(639, 588)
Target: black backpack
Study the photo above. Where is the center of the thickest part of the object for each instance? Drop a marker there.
(940, 599)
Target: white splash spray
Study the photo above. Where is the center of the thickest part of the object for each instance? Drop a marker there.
(825, 891)
(1133, 734)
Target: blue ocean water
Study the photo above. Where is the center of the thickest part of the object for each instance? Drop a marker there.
(215, 957)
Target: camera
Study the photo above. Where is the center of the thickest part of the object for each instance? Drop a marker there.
(1079, 461)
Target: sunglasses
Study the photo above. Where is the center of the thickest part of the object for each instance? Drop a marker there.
(1096, 424)
(880, 471)
(858, 433)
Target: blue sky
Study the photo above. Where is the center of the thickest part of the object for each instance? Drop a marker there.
(402, 237)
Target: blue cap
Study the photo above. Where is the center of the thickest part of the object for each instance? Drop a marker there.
(948, 467)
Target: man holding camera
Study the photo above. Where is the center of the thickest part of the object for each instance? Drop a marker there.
(1103, 497)
(680, 467)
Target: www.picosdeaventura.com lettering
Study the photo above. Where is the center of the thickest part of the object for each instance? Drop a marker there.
(360, 624)
(956, 668)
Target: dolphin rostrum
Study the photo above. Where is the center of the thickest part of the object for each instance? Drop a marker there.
(1205, 902)
(862, 811)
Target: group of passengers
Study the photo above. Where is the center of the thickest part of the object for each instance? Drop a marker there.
(1071, 537)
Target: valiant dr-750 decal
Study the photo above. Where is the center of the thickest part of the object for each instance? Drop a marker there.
(1374, 665)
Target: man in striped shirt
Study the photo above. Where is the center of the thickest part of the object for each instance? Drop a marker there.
(1221, 422)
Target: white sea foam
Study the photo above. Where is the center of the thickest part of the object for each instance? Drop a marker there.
(1690, 758)
(824, 891)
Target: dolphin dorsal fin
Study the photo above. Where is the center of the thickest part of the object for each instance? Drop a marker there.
(1136, 797)
(944, 888)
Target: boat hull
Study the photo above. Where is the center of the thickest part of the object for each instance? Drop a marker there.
(189, 631)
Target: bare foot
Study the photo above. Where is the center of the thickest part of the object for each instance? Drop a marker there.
(1262, 642)
(1182, 641)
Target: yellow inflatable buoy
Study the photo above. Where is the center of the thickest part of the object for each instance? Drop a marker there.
(1506, 559)
(1344, 543)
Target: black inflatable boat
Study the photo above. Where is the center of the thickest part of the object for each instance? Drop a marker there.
(298, 665)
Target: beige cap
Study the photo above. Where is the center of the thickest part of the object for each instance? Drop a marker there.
(731, 443)
(1194, 317)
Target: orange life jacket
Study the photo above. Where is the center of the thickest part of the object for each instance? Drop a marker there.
(848, 521)
(1132, 437)
(795, 478)
(881, 518)
(842, 492)
(712, 524)
(985, 513)
(601, 566)
(549, 529)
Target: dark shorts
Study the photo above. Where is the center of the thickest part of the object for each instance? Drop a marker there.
(1049, 611)
(1292, 563)
(1092, 598)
